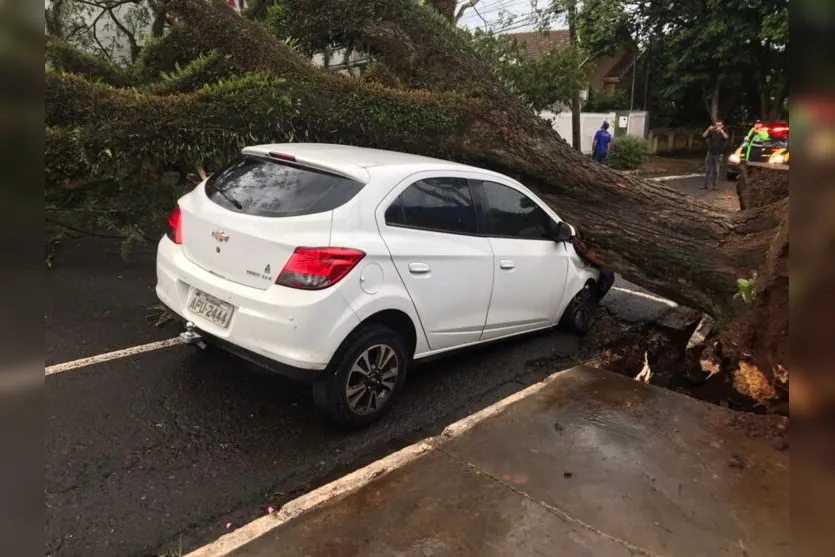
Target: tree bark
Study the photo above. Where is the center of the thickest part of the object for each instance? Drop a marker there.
(761, 185)
(657, 237)
(159, 9)
(714, 101)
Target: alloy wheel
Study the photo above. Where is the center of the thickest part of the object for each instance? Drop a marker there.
(372, 379)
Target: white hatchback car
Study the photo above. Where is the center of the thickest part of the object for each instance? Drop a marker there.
(342, 265)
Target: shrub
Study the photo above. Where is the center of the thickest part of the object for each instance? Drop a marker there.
(628, 152)
(600, 101)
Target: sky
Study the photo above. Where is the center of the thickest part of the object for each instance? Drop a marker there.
(487, 15)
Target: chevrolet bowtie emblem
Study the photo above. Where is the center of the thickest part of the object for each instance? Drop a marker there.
(220, 236)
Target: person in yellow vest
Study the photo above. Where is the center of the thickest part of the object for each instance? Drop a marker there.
(755, 139)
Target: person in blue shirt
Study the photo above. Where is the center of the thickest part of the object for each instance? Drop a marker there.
(600, 144)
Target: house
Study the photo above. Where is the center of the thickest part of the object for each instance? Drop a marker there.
(608, 74)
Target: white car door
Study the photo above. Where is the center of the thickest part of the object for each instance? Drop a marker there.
(429, 225)
(530, 268)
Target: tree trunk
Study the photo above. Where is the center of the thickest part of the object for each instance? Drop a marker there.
(657, 237)
(714, 102)
(160, 11)
(761, 185)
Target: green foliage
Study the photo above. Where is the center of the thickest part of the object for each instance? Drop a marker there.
(60, 55)
(377, 72)
(628, 152)
(746, 289)
(416, 43)
(125, 162)
(717, 50)
(539, 82)
(599, 101)
(126, 22)
(203, 70)
(166, 54)
(603, 27)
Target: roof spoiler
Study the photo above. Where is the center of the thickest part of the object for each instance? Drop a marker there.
(338, 167)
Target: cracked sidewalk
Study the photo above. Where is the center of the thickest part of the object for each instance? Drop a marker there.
(591, 464)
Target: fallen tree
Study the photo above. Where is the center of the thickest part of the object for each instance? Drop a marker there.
(450, 107)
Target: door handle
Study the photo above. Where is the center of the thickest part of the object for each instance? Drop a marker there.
(419, 268)
(506, 264)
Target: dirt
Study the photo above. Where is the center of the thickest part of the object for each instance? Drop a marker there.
(772, 428)
(671, 367)
(704, 373)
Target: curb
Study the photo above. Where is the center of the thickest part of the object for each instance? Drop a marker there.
(349, 483)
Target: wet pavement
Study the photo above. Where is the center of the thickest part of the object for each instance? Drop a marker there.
(151, 451)
(593, 464)
(723, 196)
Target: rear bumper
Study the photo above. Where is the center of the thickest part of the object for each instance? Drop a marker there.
(288, 331)
(298, 374)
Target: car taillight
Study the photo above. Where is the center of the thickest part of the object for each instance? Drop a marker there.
(175, 225)
(318, 268)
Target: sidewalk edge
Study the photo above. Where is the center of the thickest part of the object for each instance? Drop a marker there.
(465, 424)
(228, 543)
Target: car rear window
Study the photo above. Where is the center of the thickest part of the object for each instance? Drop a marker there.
(267, 188)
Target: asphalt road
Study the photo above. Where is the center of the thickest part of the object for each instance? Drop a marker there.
(151, 451)
(724, 196)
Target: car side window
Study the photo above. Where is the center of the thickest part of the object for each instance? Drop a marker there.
(512, 214)
(437, 204)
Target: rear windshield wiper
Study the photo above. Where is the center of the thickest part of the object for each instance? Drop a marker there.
(229, 198)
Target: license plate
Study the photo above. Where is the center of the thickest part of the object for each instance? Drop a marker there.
(211, 309)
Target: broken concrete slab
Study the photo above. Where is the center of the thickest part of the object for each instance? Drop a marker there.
(680, 319)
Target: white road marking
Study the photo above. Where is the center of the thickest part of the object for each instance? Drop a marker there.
(83, 362)
(132, 351)
(681, 177)
(652, 297)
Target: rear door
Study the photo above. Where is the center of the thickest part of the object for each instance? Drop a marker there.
(530, 268)
(245, 222)
(429, 225)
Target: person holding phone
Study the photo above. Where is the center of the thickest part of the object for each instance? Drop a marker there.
(715, 139)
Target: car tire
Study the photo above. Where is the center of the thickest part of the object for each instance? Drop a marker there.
(356, 390)
(580, 314)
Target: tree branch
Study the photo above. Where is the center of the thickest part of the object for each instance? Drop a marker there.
(657, 237)
(134, 46)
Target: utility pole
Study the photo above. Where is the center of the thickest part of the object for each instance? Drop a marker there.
(571, 14)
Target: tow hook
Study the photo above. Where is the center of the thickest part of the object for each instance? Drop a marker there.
(191, 336)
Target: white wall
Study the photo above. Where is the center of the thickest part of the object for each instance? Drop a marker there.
(638, 123)
(336, 62)
(590, 122)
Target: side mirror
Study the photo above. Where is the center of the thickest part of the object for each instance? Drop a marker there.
(563, 232)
